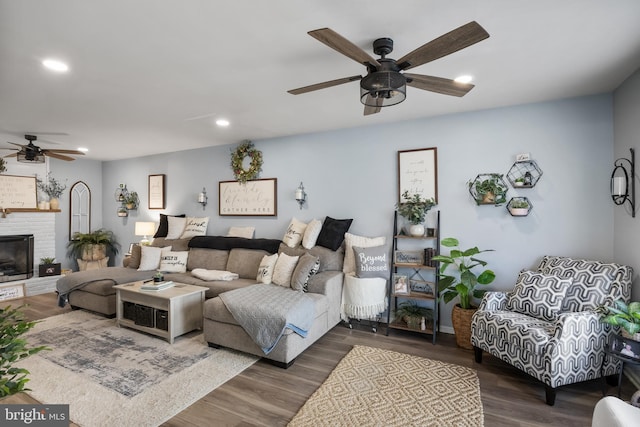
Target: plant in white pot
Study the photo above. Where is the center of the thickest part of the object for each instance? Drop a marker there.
(414, 208)
(464, 284)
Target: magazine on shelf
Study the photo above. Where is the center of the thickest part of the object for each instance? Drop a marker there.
(156, 286)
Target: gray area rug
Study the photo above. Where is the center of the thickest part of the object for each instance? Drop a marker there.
(116, 376)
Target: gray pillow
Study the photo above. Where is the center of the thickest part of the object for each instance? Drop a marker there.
(372, 261)
(307, 266)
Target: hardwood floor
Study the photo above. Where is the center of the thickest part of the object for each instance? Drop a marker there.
(264, 395)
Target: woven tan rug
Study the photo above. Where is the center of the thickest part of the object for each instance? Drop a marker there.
(374, 387)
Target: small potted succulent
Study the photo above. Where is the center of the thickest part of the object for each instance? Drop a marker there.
(414, 208)
(48, 267)
(519, 207)
(519, 182)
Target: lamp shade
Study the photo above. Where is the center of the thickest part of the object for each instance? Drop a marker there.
(145, 228)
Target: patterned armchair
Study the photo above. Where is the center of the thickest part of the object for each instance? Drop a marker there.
(547, 326)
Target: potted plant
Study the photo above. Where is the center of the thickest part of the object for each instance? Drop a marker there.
(122, 211)
(414, 209)
(627, 317)
(48, 267)
(12, 349)
(488, 189)
(52, 188)
(464, 284)
(131, 200)
(412, 314)
(93, 246)
(519, 207)
(519, 182)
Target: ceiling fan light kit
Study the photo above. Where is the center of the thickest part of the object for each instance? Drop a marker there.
(385, 83)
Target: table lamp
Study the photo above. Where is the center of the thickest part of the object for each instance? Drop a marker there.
(145, 229)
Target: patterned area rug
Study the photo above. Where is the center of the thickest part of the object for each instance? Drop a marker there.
(117, 376)
(374, 387)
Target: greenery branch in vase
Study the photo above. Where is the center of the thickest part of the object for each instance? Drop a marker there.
(414, 209)
(464, 284)
(626, 316)
(52, 188)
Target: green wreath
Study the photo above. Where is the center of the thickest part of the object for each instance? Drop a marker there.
(237, 157)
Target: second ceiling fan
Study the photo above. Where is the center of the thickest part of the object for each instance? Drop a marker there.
(385, 82)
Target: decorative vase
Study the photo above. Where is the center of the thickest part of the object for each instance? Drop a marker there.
(416, 230)
(461, 320)
(54, 203)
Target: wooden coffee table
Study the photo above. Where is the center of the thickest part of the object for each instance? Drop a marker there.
(168, 313)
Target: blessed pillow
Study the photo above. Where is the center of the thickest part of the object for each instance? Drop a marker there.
(174, 262)
(176, 226)
(195, 227)
(283, 270)
(332, 234)
(351, 240)
(246, 232)
(295, 231)
(150, 258)
(265, 270)
(311, 233)
(538, 295)
(372, 261)
(163, 228)
(307, 266)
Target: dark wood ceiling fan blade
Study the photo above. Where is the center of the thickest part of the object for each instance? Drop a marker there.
(55, 150)
(13, 143)
(444, 45)
(11, 155)
(369, 109)
(344, 46)
(438, 84)
(58, 156)
(324, 85)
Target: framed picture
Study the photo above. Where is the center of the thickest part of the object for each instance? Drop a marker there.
(418, 173)
(400, 284)
(9, 292)
(422, 287)
(156, 191)
(409, 257)
(625, 347)
(18, 192)
(257, 197)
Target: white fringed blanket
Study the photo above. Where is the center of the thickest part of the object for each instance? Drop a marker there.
(363, 298)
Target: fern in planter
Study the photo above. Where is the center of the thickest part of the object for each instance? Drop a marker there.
(12, 349)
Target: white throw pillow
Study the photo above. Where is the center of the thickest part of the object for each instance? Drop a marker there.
(265, 271)
(294, 233)
(246, 232)
(194, 226)
(283, 270)
(174, 262)
(176, 226)
(150, 258)
(311, 233)
(351, 240)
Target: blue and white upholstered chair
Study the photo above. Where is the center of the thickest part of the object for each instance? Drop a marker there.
(547, 326)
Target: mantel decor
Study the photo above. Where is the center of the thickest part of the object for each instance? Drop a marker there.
(246, 149)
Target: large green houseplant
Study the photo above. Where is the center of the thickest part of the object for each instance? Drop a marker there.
(93, 246)
(12, 349)
(626, 316)
(414, 208)
(464, 283)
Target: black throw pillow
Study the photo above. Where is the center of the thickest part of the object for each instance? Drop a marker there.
(163, 228)
(332, 233)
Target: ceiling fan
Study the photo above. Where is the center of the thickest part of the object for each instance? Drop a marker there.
(31, 153)
(385, 83)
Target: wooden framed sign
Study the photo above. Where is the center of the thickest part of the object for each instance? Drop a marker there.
(156, 191)
(418, 173)
(18, 192)
(257, 197)
(13, 291)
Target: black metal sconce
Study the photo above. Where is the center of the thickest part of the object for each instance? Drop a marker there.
(620, 179)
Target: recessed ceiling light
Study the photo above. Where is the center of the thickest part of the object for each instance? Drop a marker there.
(55, 65)
(222, 122)
(83, 149)
(463, 79)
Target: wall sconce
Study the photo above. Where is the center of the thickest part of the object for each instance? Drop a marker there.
(301, 196)
(202, 198)
(620, 178)
(145, 229)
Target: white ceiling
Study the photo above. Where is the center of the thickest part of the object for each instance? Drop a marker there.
(151, 76)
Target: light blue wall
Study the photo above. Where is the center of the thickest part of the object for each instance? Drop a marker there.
(353, 174)
(627, 135)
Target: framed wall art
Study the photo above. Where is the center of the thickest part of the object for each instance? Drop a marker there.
(400, 285)
(418, 173)
(18, 192)
(409, 257)
(12, 291)
(256, 197)
(156, 191)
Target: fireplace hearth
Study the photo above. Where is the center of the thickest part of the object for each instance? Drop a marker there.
(16, 257)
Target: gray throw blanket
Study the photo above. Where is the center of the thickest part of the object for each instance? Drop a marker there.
(80, 279)
(264, 311)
